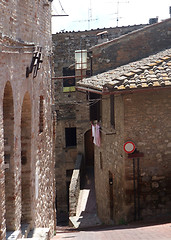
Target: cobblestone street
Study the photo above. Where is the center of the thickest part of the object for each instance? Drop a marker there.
(129, 232)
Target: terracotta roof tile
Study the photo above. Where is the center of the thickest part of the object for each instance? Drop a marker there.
(153, 71)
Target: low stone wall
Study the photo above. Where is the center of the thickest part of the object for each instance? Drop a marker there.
(74, 188)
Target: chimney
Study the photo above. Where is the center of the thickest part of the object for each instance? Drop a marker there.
(153, 20)
(102, 36)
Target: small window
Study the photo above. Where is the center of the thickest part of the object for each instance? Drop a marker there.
(70, 137)
(112, 111)
(41, 115)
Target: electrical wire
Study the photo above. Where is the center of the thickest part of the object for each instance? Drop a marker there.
(57, 13)
(88, 103)
(62, 7)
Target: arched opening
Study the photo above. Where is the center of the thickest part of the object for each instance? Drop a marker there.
(26, 160)
(8, 122)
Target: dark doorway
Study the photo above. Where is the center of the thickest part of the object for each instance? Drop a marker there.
(89, 149)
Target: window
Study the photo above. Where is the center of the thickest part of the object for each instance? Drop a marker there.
(70, 137)
(95, 106)
(68, 83)
(112, 111)
(41, 115)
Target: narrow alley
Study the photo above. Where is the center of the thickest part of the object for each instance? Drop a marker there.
(129, 232)
(86, 224)
(86, 214)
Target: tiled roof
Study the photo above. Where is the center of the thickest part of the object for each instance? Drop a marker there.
(150, 72)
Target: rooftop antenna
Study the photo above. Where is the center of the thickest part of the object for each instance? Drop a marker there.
(117, 11)
(89, 15)
(63, 11)
(90, 19)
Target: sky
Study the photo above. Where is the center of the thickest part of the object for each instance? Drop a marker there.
(93, 14)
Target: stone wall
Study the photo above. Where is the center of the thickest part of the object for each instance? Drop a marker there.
(143, 118)
(26, 157)
(147, 124)
(65, 43)
(109, 159)
(131, 47)
(74, 188)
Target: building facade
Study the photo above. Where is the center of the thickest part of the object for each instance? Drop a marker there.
(73, 129)
(135, 108)
(26, 121)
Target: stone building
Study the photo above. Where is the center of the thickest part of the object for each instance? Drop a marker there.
(26, 122)
(73, 134)
(134, 107)
(131, 47)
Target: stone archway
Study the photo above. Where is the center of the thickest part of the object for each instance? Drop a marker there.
(8, 124)
(26, 161)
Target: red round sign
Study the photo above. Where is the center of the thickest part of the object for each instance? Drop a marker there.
(129, 147)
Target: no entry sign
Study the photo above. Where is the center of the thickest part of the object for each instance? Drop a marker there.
(129, 147)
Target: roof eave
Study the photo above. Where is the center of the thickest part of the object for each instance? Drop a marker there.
(89, 89)
(107, 91)
(135, 90)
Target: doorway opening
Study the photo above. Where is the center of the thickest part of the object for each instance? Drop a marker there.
(8, 122)
(26, 160)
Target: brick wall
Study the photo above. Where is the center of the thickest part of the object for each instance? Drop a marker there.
(29, 153)
(22, 20)
(131, 47)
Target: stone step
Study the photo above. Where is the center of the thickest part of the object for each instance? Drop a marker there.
(13, 235)
(90, 220)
